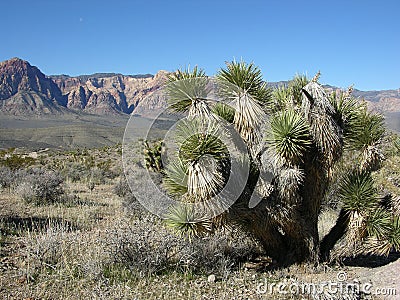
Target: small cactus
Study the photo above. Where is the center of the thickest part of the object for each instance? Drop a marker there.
(152, 155)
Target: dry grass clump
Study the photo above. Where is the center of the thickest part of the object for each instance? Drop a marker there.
(40, 186)
(146, 248)
(121, 188)
(7, 177)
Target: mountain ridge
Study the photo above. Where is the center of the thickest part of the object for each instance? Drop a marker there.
(25, 90)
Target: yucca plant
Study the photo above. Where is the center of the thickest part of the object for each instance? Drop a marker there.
(295, 137)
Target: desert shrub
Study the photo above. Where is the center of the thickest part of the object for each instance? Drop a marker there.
(41, 186)
(90, 185)
(6, 177)
(112, 173)
(133, 247)
(45, 246)
(15, 161)
(52, 249)
(97, 176)
(145, 248)
(74, 171)
(105, 166)
(133, 207)
(220, 253)
(121, 188)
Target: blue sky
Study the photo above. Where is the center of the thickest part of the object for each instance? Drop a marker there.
(350, 42)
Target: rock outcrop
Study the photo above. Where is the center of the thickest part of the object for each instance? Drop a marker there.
(26, 90)
(108, 93)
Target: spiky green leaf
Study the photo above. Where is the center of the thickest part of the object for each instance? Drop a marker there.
(394, 235)
(366, 129)
(289, 135)
(247, 77)
(186, 87)
(346, 108)
(379, 223)
(184, 220)
(282, 98)
(182, 74)
(224, 111)
(357, 192)
(197, 139)
(296, 86)
(175, 180)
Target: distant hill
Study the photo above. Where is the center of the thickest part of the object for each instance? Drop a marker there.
(385, 101)
(26, 91)
(98, 75)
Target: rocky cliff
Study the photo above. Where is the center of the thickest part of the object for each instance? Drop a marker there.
(387, 101)
(108, 93)
(24, 89)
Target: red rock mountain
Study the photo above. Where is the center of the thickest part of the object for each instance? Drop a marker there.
(25, 90)
(108, 93)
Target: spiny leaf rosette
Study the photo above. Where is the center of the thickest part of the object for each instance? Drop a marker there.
(264, 160)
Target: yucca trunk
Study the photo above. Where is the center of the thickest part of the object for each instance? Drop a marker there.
(335, 234)
(286, 224)
(313, 189)
(296, 242)
(287, 233)
(256, 223)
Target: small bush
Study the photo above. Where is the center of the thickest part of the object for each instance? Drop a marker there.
(15, 162)
(45, 246)
(41, 186)
(53, 248)
(97, 176)
(106, 167)
(133, 207)
(6, 177)
(90, 185)
(74, 172)
(220, 253)
(122, 188)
